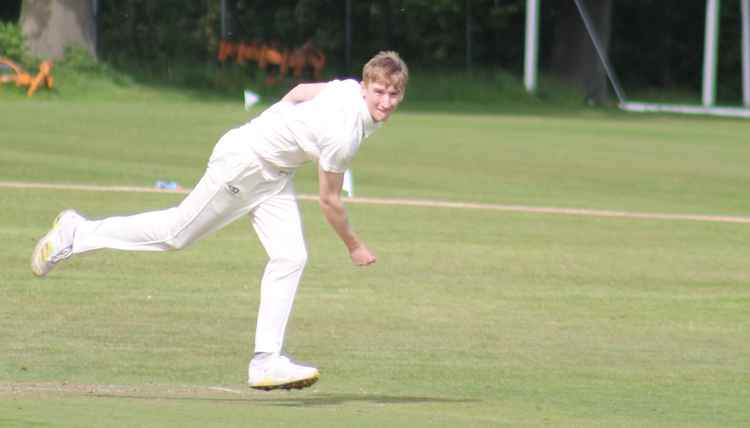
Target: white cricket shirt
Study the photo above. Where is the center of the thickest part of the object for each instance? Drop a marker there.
(328, 129)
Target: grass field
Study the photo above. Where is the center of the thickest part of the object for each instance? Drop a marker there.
(470, 317)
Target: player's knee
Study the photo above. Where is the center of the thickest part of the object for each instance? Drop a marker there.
(177, 244)
(291, 262)
(299, 259)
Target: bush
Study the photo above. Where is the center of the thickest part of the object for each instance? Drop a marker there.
(79, 71)
(12, 44)
(79, 59)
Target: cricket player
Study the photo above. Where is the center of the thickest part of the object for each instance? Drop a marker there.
(250, 172)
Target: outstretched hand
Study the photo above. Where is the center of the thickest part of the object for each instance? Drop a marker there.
(361, 256)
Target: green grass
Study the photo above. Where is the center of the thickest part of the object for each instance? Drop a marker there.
(590, 159)
(469, 318)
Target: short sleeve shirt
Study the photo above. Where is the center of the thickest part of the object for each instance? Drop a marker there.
(328, 129)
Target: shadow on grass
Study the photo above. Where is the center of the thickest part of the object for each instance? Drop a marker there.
(288, 399)
(214, 394)
(338, 399)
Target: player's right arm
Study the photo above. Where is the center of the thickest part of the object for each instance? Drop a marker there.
(330, 184)
(304, 92)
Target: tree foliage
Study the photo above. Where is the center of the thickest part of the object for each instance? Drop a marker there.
(653, 43)
(12, 43)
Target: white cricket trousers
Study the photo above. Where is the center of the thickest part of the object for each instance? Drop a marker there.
(236, 183)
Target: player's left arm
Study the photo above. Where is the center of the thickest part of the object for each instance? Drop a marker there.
(304, 92)
(330, 184)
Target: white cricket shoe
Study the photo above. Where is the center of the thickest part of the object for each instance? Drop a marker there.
(277, 371)
(57, 244)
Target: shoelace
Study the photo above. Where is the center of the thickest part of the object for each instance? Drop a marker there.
(62, 255)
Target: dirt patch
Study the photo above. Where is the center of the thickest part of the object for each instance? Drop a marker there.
(135, 391)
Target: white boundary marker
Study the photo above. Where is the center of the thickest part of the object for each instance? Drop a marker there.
(426, 203)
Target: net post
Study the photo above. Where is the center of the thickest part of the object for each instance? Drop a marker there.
(710, 52)
(532, 45)
(745, 5)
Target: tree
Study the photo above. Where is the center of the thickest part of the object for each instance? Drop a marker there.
(50, 26)
(10, 10)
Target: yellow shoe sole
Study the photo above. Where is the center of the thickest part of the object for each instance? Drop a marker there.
(297, 384)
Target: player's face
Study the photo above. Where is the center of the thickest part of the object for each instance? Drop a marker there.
(381, 99)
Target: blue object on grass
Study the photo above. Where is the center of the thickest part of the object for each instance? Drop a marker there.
(167, 185)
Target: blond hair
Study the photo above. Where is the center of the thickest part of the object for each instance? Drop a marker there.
(387, 67)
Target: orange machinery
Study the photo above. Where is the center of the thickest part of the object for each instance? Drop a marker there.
(11, 72)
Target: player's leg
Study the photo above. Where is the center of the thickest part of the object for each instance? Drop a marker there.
(278, 225)
(208, 207)
(231, 186)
